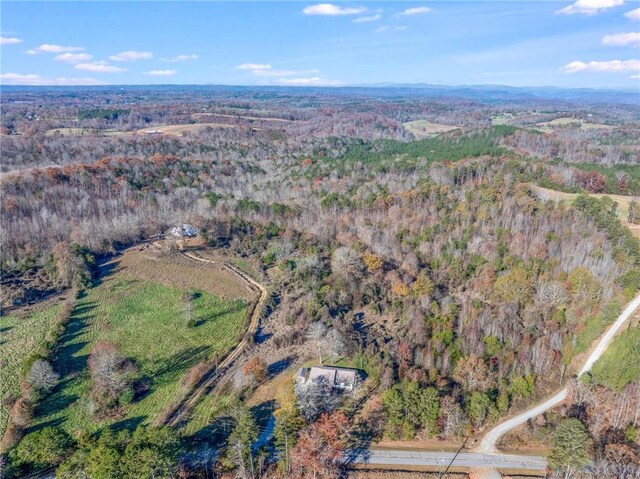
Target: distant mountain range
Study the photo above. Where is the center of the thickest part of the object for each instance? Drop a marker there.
(481, 93)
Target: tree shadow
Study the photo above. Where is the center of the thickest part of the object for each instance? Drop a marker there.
(52, 423)
(127, 424)
(279, 366)
(105, 270)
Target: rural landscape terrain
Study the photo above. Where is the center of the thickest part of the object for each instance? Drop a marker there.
(272, 282)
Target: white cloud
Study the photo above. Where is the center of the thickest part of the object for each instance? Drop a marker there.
(161, 73)
(48, 48)
(180, 58)
(607, 66)
(390, 28)
(311, 81)
(590, 7)
(622, 39)
(131, 56)
(99, 67)
(371, 18)
(414, 11)
(332, 10)
(73, 57)
(635, 77)
(35, 80)
(633, 14)
(264, 69)
(9, 40)
(254, 66)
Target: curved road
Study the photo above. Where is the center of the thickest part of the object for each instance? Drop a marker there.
(488, 443)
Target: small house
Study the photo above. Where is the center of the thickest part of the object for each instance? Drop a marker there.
(343, 379)
(184, 231)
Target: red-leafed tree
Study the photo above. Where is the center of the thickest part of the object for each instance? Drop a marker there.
(319, 449)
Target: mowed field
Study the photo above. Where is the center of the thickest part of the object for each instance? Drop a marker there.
(139, 306)
(424, 129)
(21, 333)
(547, 126)
(623, 203)
(180, 129)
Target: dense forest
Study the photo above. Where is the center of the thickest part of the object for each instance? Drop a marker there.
(438, 265)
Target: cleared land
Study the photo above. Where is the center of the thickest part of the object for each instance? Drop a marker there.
(180, 129)
(424, 129)
(21, 333)
(139, 306)
(242, 117)
(623, 201)
(547, 126)
(82, 132)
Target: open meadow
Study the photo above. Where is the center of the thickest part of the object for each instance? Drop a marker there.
(424, 129)
(139, 306)
(22, 332)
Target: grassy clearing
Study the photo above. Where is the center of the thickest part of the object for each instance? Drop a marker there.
(548, 126)
(619, 366)
(204, 415)
(21, 334)
(145, 319)
(82, 132)
(178, 130)
(559, 196)
(424, 129)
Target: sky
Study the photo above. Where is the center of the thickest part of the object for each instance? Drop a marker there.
(585, 43)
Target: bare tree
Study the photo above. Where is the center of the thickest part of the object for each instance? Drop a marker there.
(333, 343)
(316, 333)
(346, 261)
(316, 396)
(42, 376)
(552, 294)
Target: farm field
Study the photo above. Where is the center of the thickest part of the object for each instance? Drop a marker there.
(424, 129)
(180, 129)
(143, 314)
(623, 201)
(547, 126)
(82, 132)
(22, 333)
(243, 117)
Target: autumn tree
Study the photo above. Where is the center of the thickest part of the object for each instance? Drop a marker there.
(513, 286)
(111, 376)
(472, 373)
(319, 450)
(256, 368)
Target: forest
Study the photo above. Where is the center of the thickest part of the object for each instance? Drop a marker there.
(439, 265)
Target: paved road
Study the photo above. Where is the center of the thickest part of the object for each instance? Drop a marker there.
(464, 459)
(488, 443)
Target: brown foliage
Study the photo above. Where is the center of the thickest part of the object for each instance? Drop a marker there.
(257, 368)
(319, 448)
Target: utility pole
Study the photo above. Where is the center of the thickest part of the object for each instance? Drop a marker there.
(464, 443)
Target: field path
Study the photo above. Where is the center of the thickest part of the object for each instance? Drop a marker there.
(210, 379)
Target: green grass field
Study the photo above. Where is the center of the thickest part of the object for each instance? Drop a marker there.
(20, 335)
(619, 365)
(145, 319)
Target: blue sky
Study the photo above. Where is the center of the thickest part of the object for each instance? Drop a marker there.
(585, 43)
